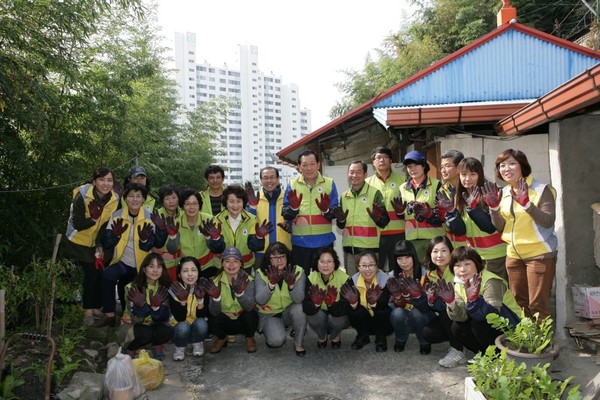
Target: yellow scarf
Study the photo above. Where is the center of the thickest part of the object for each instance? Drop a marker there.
(362, 287)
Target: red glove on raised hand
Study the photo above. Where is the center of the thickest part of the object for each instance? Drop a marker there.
(422, 210)
(399, 205)
(240, 282)
(445, 291)
(349, 293)
(492, 194)
(95, 209)
(472, 288)
(294, 200)
(340, 214)
(212, 230)
(158, 298)
(172, 227)
(331, 295)
(158, 221)
(521, 195)
(137, 297)
(119, 227)
(394, 286)
(377, 213)
(316, 295)
(179, 292)
(252, 197)
(289, 274)
(431, 290)
(413, 287)
(472, 199)
(144, 232)
(373, 294)
(199, 291)
(262, 230)
(324, 202)
(274, 275)
(211, 289)
(444, 202)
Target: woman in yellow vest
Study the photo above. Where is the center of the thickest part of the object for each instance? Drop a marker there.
(525, 211)
(475, 293)
(92, 206)
(138, 175)
(148, 306)
(168, 196)
(279, 287)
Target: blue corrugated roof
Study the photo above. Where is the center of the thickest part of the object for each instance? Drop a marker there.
(513, 65)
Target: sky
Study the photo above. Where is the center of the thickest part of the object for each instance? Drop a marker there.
(307, 43)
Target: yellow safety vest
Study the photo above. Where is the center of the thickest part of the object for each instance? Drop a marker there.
(193, 244)
(337, 280)
(421, 230)
(390, 189)
(139, 254)
(507, 299)
(230, 305)
(309, 220)
(239, 238)
(280, 298)
(488, 245)
(360, 230)
(206, 205)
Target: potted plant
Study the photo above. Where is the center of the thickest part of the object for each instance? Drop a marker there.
(496, 376)
(531, 341)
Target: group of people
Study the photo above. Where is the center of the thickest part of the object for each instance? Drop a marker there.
(420, 255)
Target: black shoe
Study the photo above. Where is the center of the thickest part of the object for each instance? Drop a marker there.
(336, 345)
(360, 342)
(399, 347)
(323, 344)
(300, 353)
(425, 349)
(380, 344)
(292, 333)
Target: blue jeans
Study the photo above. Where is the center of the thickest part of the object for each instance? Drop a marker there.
(185, 333)
(413, 321)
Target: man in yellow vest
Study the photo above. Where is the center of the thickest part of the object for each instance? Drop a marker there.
(211, 197)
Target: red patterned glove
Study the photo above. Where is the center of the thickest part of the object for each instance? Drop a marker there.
(95, 209)
(472, 199)
(472, 288)
(331, 295)
(294, 200)
(119, 227)
(377, 213)
(324, 202)
(492, 194)
(263, 229)
(521, 195)
(316, 295)
(252, 196)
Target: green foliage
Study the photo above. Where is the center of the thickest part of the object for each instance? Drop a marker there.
(10, 382)
(501, 378)
(529, 336)
(68, 362)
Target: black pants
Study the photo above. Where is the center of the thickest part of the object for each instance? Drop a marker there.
(303, 256)
(439, 330)
(386, 251)
(222, 325)
(475, 335)
(366, 324)
(92, 286)
(154, 334)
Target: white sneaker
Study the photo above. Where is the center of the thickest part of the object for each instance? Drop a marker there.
(231, 338)
(452, 358)
(198, 349)
(179, 354)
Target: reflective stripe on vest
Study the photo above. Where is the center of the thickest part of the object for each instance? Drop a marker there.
(337, 279)
(421, 230)
(309, 220)
(239, 238)
(390, 189)
(488, 245)
(192, 243)
(360, 230)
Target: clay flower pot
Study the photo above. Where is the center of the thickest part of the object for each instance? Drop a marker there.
(529, 359)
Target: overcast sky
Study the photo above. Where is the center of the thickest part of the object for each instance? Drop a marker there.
(306, 43)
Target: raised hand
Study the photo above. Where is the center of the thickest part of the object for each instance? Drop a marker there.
(212, 230)
(373, 294)
(492, 194)
(340, 214)
(331, 295)
(289, 274)
(398, 205)
(137, 297)
(95, 209)
(252, 196)
(119, 227)
(473, 287)
(394, 286)
(179, 292)
(145, 231)
(274, 275)
(286, 226)
(240, 282)
(158, 221)
(471, 199)
(211, 289)
(431, 290)
(263, 229)
(349, 293)
(445, 291)
(199, 291)
(294, 200)
(422, 210)
(156, 299)
(172, 227)
(521, 194)
(324, 202)
(444, 202)
(377, 212)
(316, 295)
(413, 287)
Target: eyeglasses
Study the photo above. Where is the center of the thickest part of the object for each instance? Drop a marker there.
(382, 157)
(188, 204)
(367, 266)
(277, 258)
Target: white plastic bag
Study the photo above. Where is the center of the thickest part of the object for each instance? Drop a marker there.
(121, 382)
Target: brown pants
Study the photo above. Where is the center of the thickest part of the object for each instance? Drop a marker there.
(531, 283)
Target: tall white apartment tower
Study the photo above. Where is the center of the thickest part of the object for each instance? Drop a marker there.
(266, 118)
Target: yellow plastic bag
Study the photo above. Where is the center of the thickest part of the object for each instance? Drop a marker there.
(150, 371)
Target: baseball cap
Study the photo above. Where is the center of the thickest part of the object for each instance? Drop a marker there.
(137, 170)
(414, 157)
(232, 252)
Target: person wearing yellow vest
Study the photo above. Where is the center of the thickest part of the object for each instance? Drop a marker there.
(326, 310)
(450, 181)
(212, 197)
(169, 198)
(474, 294)
(307, 205)
(360, 215)
(388, 183)
(525, 212)
(131, 235)
(189, 240)
(139, 175)
(236, 227)
(437, 260)
(417, 199)
(369, 297)
(471, 217)
(410, 311)
(279, 291)
(188, 304)
(148, 307)
(91, 209)
(231, 307)
(267, 205)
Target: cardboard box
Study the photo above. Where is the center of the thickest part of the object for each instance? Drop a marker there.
(586, 301)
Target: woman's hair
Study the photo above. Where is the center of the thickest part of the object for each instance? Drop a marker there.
(325, 250)
(235, 190)
(167, 190)
(186, 194)
(137, 188)
(366, 253)
(140, 278)
(275, 248)
(101, 172)
(182, 261)
(517, 155)
(406, 248)
(427, 261)
(464, 253)
(469, 164)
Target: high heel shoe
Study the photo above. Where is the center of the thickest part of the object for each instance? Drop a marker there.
(323, 344)
(300, 353)
(336, 344)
